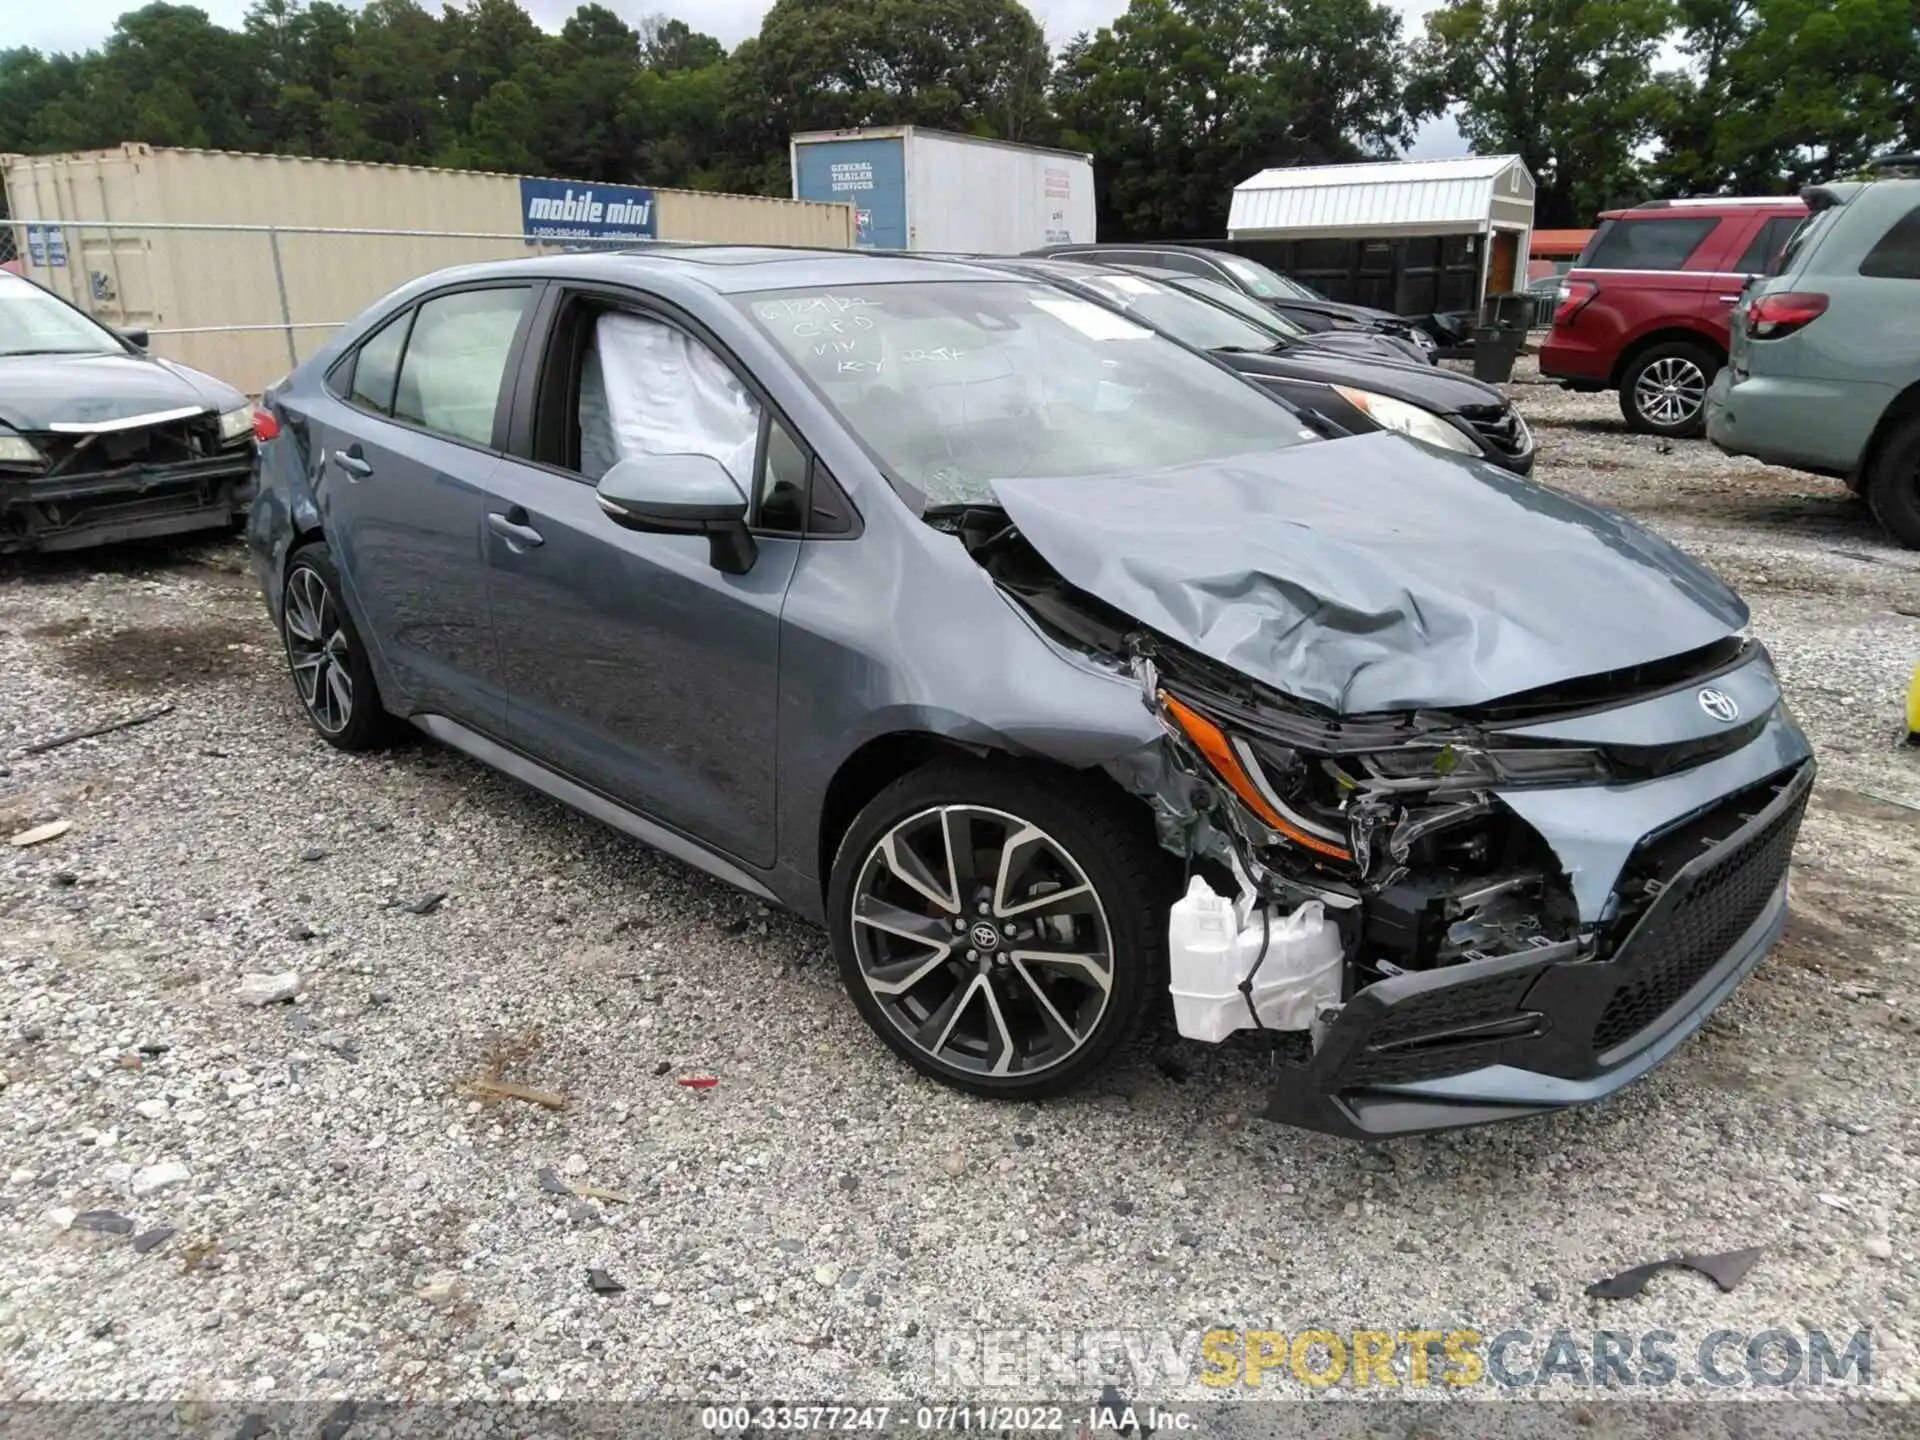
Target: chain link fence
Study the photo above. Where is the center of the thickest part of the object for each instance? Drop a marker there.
(246, 303)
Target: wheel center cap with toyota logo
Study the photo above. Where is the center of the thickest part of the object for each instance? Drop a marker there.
(984, 936)
(1720, 705)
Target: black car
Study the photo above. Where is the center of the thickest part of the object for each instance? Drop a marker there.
(1298, 302)
(1374, 343)
(1353, 393)
(100, 441)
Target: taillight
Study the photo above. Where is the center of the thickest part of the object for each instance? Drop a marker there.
(1574, 295)
(265, 427)
(1771, 316)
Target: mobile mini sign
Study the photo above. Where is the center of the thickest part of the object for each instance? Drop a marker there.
(560, 212)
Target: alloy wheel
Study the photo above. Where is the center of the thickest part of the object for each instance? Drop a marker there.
(317, 647)
(1671, 390)
(982, 941)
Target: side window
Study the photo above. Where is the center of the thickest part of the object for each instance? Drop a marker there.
(783, 482)
(1897, 254)
(1650, 244)
(649, 388)
(1763, 255)
(455, 360)
(1185, 264)
(377, 365)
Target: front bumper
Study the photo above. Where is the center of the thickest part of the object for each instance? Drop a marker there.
(138, 501)
(1561, 1025)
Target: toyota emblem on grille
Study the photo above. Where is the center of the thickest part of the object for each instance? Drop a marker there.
(1720, 705)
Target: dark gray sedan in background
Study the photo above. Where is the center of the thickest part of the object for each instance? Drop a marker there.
(100, 441)
(961, 614)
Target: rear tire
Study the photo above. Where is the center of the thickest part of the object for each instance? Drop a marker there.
(1664, 390)
(331, 674)
(965, 966)
(1893, 487)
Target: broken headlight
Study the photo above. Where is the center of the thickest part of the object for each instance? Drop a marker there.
(1409, 420)
(1236, 763)
(19, 449)
(235, 423)
(1446, 767)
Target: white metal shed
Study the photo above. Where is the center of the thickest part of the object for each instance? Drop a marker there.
(1480, 195)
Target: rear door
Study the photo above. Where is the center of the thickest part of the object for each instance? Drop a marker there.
(405, 453)
(1744, 246)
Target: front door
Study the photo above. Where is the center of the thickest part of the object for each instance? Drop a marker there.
(630, 662)
(404, 461)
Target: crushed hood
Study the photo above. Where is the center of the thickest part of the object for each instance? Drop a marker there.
(1374, 573)
(41, 390)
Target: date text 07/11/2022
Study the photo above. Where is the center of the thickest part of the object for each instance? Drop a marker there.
(1041, 1419)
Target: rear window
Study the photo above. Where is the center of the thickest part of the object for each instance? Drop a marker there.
(1661, 243)
(1897, 255)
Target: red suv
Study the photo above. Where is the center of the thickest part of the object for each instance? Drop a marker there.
(1645, 309)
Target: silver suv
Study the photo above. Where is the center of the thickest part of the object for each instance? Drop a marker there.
(1824, 372)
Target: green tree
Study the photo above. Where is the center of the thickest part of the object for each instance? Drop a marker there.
(976, 66)
(1814, 90)
(1568, 85)
(388, 103)
(669, 45)
(1178, 101)
(299, 48)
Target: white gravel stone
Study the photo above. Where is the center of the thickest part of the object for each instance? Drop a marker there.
(268, 989)
(152, 1179)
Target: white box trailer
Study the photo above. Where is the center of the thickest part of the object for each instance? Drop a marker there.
(915, 189)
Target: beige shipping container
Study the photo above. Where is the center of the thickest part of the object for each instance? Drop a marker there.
(199, 291)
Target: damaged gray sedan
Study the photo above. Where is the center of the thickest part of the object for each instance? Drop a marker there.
(102, 442)
(1062, 673)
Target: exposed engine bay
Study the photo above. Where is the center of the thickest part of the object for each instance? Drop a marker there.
(1384, 824)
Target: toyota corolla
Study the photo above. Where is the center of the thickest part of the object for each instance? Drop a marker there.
(1062, 673)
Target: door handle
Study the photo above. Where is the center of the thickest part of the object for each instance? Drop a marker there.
(512, 527)
(353, 462)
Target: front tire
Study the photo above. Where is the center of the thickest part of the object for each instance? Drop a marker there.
(1002, 927)
(1893, 487)
(1664, 390)
(331, 673)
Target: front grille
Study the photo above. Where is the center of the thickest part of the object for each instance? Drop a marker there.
(173, 442)
(1391, 1054)
(1689, 937)
(1500, 426)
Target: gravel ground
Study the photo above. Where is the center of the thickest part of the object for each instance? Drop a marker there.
(323, 1206)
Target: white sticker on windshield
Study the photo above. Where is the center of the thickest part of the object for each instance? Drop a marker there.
(1092, 321)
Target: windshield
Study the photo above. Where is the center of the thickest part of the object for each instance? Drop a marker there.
(1267, 284)
(1218, 292)
(32, 322)
(1190, 321)
(955, 384)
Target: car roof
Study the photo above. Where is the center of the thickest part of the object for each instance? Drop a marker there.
(1065, 267)
(734, 269)
(1717, 206)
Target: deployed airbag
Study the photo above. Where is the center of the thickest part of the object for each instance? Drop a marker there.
(649, 389)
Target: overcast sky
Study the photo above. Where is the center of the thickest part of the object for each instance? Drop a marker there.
(82, 24)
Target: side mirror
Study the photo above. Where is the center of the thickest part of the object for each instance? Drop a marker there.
(682, 495)
(136, 338)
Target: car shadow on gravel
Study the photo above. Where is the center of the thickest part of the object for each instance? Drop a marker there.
(214, 556)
